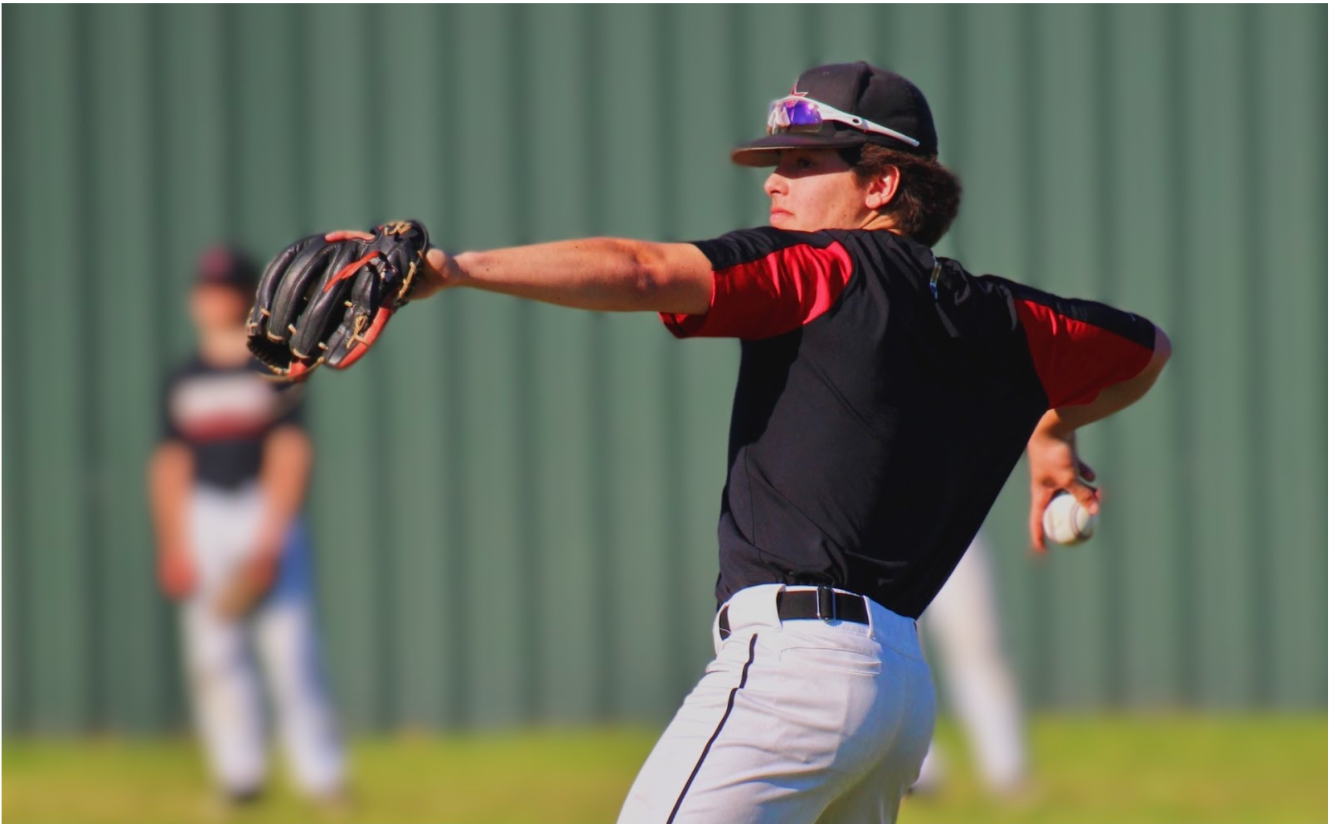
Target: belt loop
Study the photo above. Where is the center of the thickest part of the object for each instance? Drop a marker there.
(825, 603)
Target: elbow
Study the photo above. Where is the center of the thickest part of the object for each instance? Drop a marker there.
(1164, 347)
(168, 459)
(169, 467)
(1160, 355)
(671, 277)
(649, 275)
(290, 444)
(288, 457)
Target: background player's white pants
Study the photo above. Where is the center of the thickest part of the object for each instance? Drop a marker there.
(962, 624)
(795, 722)
(220, 655)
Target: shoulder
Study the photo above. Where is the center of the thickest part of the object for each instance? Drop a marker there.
(184, 369)
(748, 245)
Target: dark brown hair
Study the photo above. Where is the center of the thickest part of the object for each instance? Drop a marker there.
(928, 197)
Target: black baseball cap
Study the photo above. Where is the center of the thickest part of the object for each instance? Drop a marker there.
(226, 266)
(867, 105)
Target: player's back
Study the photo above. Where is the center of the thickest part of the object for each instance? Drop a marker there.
(868, 445)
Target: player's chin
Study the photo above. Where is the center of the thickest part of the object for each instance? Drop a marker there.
(782, 220)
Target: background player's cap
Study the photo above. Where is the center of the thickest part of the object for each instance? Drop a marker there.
(226, 266)
(841, 105)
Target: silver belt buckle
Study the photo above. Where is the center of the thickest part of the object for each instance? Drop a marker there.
(825, 604)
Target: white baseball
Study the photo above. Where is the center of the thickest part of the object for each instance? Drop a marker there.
(1067, 522)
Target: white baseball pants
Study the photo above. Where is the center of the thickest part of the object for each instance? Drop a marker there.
(795, 722)
(963, 624)
(220, 658)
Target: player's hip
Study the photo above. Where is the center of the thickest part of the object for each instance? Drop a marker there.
(792, 715)
(817, 617)
(856, 674)
(224, 527)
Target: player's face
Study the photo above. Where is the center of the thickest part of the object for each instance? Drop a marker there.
(814, 189)
(215, 307)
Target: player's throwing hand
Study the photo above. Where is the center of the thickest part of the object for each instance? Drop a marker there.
(1056, 468)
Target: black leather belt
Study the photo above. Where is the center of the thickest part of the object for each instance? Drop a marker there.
(824, 603)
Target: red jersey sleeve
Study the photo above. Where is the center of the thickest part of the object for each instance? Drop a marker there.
(1079, 347)
(766, 282)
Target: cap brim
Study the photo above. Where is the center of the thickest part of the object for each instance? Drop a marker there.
(764, 150)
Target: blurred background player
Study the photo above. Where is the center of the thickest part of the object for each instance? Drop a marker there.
(962, 626)
(227, 484)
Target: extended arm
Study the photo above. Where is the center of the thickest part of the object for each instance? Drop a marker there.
(604, 274)
(1052, 450)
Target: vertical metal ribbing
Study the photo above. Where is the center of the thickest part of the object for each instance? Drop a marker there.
(1029, 110)
(606, 701)
(386, 647)
(530, 545)
(672, 430)
(954, 151)
(17, 606)
(1106, 255)
(232, 156)
(737, 98)
(89, 487)
(1187, 623)
(456, 524)
(1318, 209)
(1257, 479)
(170, 712)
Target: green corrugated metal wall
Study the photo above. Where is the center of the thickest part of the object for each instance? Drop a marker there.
(538, 539)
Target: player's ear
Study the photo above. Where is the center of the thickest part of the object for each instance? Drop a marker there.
(882, 188)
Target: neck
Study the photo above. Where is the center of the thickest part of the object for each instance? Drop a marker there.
(879, 222)
(224, 347)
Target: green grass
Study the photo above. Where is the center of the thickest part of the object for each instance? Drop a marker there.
(1117, 770)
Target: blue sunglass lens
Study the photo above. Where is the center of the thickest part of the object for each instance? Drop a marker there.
(801, 113)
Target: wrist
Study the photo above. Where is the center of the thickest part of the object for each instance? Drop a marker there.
(445, 270)
(1053, 425)
(271, 535)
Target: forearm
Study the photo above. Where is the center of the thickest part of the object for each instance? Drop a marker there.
(283, 479)
(170, 477)
(604, 274)
(1063, 421)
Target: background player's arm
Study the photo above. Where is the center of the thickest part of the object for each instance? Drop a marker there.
(603, 274)
(1052, 450)
(284, 478)
(170, 478)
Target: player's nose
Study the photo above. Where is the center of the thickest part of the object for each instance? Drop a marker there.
(774, 185)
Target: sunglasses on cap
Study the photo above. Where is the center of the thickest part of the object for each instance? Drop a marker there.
(796, 115)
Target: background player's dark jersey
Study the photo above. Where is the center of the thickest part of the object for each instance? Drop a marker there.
(224, 415)
(880, 408)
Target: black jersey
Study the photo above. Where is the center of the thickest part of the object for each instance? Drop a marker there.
(224, 415)
(884, 397)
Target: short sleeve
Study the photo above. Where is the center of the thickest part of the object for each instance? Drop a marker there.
(167, 428)
(288, 406)
(1079, 347)
(766, 282)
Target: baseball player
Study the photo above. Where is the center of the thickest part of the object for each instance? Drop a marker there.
(884, 396)
(963, 624)
(227, 484)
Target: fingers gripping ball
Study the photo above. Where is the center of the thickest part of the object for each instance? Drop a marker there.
(326, 298)
(1067, 522)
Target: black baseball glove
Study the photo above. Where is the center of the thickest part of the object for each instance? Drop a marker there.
(326, 298)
